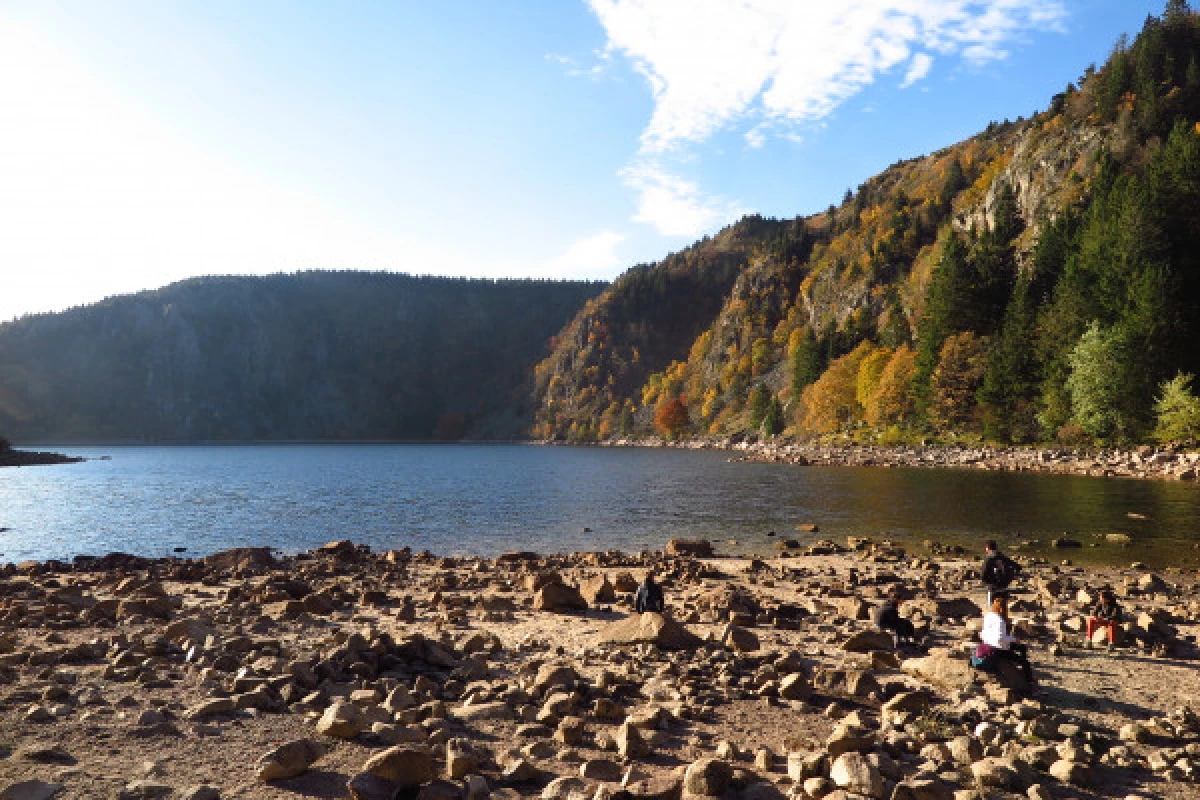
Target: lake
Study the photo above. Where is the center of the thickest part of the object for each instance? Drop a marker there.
(487, 499)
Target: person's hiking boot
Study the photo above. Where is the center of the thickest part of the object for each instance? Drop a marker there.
(1088, 644)
(1110, 647)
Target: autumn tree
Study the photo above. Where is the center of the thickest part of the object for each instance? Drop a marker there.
(831, 404)
(956, 380)
(671, 416)
(891, 402)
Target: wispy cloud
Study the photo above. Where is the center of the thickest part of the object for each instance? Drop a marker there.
(673, 205)
(779, 65)
(918, 68)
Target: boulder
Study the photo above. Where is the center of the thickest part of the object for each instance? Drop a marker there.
(708, 777)
(850, 682)
(697, 548)
(854, 773)
(31, 790)
(941, 668)
(404, 765)
(598, 590)
(866, 641)
(795, 687)
(558, 597)
(240, 559)
(342, 721)
(650, 628)
(739, 639)
(630, 743)
(289, 760)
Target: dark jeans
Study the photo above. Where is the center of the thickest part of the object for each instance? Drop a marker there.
(1019, 655)
(903, 629)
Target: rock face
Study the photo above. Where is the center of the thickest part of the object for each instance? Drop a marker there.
(650, 628)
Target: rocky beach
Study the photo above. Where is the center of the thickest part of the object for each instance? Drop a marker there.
(346, 673)
(1145, 461)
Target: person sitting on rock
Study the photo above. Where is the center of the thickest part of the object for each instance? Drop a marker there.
(1106, 614)
(998, 643)
(999, 570)
(649, 596)
(887, 618)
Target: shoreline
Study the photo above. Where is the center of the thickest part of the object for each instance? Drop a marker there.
(33, 458)
(1141, 463)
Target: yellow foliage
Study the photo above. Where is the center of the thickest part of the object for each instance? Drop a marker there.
(831, 404)
(869, 370)
(891, 401)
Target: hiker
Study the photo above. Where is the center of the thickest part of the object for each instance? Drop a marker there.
(1106, 614)
(999, 570)
(887, 618)
(649, 596)
(998, 642)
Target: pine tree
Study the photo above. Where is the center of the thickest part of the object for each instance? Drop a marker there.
(806, 361)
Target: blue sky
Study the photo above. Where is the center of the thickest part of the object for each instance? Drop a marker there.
(142, 142)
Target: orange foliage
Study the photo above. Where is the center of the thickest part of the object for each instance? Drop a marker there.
(671, 417)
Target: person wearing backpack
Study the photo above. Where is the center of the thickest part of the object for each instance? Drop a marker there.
(649, 596)
(999, 571)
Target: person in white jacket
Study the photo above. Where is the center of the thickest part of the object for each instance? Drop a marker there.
(998, 641)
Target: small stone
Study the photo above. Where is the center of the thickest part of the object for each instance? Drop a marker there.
(211, 708)
(144, 790)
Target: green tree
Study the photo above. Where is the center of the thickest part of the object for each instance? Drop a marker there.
(806, 361)
(760, 401)
(1099, 383)
(1178, 411)
(772, 424)
(945, 299)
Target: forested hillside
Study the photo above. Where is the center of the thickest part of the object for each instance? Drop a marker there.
(1038, 282)
(316, 355)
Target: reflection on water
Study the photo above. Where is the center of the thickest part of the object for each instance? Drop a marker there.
(486, 499)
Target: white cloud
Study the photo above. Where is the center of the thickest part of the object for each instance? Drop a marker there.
(756, 137)
(918, 68)
(592, 256)
(711, 63)
(673, 205)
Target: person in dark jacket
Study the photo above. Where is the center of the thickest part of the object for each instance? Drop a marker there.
(1106, 614)
(649, 596)
(998, 570)
(888, 618)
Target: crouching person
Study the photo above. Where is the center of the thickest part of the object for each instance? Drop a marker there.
(887, 618)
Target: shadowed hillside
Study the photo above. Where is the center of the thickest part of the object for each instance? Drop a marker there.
(316, 355)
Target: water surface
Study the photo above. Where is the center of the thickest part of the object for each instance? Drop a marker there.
(486, 499)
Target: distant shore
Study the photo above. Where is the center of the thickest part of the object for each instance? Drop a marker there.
(32, 458)
(1144, 462)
